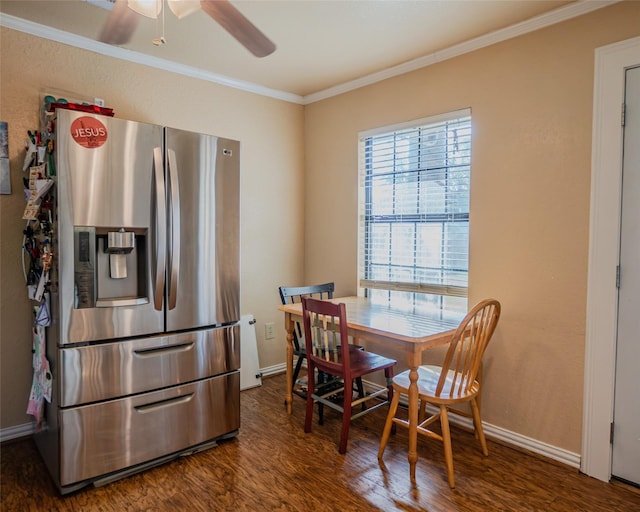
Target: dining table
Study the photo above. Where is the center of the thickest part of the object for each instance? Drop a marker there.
(386, 326)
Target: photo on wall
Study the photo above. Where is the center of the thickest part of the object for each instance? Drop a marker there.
(5, 174)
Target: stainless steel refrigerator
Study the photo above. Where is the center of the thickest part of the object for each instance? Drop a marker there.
(145, 343)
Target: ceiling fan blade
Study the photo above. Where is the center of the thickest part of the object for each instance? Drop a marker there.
(234, 22)
(120, 24)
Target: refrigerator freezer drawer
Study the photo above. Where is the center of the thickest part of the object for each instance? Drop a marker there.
(102, 438)
(113, 370)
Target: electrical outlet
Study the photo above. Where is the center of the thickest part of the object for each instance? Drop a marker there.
(269, 331)
(99, 102)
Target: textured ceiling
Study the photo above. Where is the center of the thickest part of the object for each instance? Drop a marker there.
(320, 44)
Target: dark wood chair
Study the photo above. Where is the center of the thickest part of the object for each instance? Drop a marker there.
(325, 333)
(292, 295)
(456, 382)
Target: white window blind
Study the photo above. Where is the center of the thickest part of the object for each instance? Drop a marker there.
(414, 211)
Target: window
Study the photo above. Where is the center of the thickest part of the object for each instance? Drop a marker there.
(414, 212)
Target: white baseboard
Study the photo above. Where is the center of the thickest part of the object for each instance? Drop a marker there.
(24, 430)
(273, 370)
(533, 445)
(491, 431)
(509, 438)
(520, 441)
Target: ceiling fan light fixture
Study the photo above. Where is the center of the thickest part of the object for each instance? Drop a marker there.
(124, 18)
(148, 8)
(182, 8)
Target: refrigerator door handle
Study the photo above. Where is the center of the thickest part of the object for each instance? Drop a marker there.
(163, 403)
(174, 255)
(163, 350)
(161, 229)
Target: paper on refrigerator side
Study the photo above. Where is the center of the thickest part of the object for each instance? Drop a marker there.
(41, 385)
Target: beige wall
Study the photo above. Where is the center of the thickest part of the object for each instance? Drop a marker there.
(271, 135)
(531, 100)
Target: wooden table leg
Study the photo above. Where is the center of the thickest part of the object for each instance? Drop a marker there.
(413, 361)
(289, 326)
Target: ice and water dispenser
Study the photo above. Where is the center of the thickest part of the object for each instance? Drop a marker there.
(110, 267)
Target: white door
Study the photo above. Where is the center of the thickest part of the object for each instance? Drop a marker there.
(626, 417)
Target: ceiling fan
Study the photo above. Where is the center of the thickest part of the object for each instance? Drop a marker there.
(125, 15)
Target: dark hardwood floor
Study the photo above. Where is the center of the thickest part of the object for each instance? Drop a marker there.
(274, 466)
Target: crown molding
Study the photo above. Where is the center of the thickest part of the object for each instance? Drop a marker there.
(544, 20)
(85, 43)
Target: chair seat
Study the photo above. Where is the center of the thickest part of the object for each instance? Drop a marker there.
(428, 377)
(363, 362)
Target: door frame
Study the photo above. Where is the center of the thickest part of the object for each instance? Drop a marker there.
(604, 251)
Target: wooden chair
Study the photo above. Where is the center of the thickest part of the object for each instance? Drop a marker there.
(455, 382)
(325, 327)
(292, 295)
